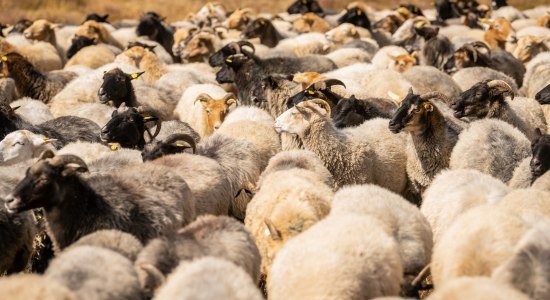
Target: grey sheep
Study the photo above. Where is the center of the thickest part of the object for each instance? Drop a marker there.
(16, 240)
(121, 242)
(94, 273)
(476, 288)
(537, 75)
(468, 77)
(209, 278)
(217, 236)
(8, 91)
(33, 287)
(425, 79)
(147, 203)
(491, 146)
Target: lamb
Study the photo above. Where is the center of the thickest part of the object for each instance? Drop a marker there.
(120, 242)
(220, 236)
(537, 74)
(157, 208)
(454, 192)
(42, 55)
(431, 140)
(29, 81)
(528, 270)
(17, 232)
(468, 77)
(476, 288)
(487, 230)
(425, 79)
(33, 286)
(95, 273)
(344, 257)
(345, 153)
(143, 58)
(22, 145)
(209, 278)
(401, 219)
(491, 146)
(394, 58)
(32, 111)
(531, 168)
(204, 107)
(486, 99)
(287, 203)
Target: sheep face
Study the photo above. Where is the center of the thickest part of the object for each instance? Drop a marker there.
(40, 30)
(402, 63)
(218, 59)
(480, 99)
(305, 6)
(311, 22)
(543, 96)
(79, 42)
(357, 17)
(412, 116)
(127, 128)
(390, 23)
(540, 162)
(97, 18)
(175, 143)
(239, 19)
(215, 110)
(41, 186)
(348, 113)
(149, 24)
(117, 87)
(257, 28)
(499, 32)
(320, 89)
(342, 34)
(20, 145)
(91, 30)
(227, 72)
(301, 117)
(529, 46)
(198, 48)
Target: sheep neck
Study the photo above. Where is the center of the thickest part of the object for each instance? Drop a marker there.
(499, 109)
(28, 80)
(271, 36)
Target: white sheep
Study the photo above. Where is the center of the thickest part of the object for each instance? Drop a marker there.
(389, 57)
(537, 74)
(21, 145)
(476, 288)
(94, 56)
(32, 111)
(542, 183)
(468, 77)
(305, 44)
(386, 84)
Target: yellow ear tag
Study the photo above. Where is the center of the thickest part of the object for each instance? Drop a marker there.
(310, 92)
(180, 145)
(147, 118)
(353, 31)
(4, 58)
(359, 12)
(231, 101)
(420, 25)
(46, 140)
(229, 60)
(262, 21)
(428, 106)
(114, 147)
(135, 75)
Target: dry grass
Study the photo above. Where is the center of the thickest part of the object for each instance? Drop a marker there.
(74, 10)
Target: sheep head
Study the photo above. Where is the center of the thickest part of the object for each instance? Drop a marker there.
(239, 19)
(175, 143)
(149, 24)
(227, 73)
(215, 110)
(403, 62)
(21, 145)
(499, 31)
(41, 30)
(529, 46)
(79, 42)
(299, 119)
(389, 23)
(44, 181)
(414, 114)
(20, 26)
(543, 96)
(482, 99)
(342, 34)
(305, 6)
(540, 161)
(308, 78)
(128, 126)
(217, 59)
(469, 55)
(93, 30)
(117, 87)
(14, 65)
(356, 16)
(198, 47)
(311, 22)
(257, 28)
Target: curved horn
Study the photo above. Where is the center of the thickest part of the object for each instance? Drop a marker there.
(479, 44)
(202, 96)
(332, 82)
(182, 137)
(470, 48)
(436, 95)
(248, 44)
(235, 46)
(323, 104)
(63, 160)
(46, 154)
(502, 86)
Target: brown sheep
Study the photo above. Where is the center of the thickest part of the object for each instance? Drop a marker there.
(498, 33)
(94, 30)
(311, 22)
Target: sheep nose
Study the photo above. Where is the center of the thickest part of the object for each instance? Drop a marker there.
(217, 126)
(9, 199)
(101, 92)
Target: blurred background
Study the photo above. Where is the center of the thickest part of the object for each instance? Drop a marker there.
(75, 10)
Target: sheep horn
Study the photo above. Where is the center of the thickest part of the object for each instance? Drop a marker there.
(182, 137)
(158, 123)
(437, 95)
(323, 104)
(63, 160)
(46, 154)
(235, 46)
(501, 86)
(470, 48)
(247, 43)
(273, 232)
(321, 85)
(479, 44)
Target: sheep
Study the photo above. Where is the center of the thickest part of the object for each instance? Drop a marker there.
(97, 31)
(350, 112)
(436, 49)
(345, 152)
(498, 33)
(32, 111)
(263, 29)
(43, 30)
(22, 145)
(33, 286)
(431, 140)
(217, 236)
(348, 56)
(79, 42)
(310, 22)
(343, 34)
(394, 58)
(8, 90)
(142, 57)
(468, 77)
(204, 107)
(492, 147)
(93, 56)
(274, 93)
(238, 20)
(531, 168)
(476, 288)
(409, 227)
(120, 242)
(537, 74)
(530, 46)
(385, 84)
(527, 270)
(343, 257)
(152, 26)
(260, 133)
(486, 99)
(42, 55)
(95, 273)
(29, 81)
(305, 44)
(157, 210)
(209, 278)
(287, 203)
(427, 79)
(17, 232)
(302, 7)
(454, 192)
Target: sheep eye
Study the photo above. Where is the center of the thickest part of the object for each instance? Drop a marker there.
(18, 143)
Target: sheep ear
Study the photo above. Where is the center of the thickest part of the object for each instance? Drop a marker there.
(71, 169)
(150, 277)
(136, 75)
(272, 231)
(4, 58)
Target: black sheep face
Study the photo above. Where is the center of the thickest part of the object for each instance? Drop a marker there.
(126, 128)
(477, 101)
(426, 32)
(149, 24)
(543, 96)
(305, 6)
(97, 18)
(7, 120)
(309, 93)
(79, 42)
(217, 59)
(412, 115)
(229, 68)
(540, 162)
(256, 28)
(347, 113)
(117, 87)
(357, 17)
